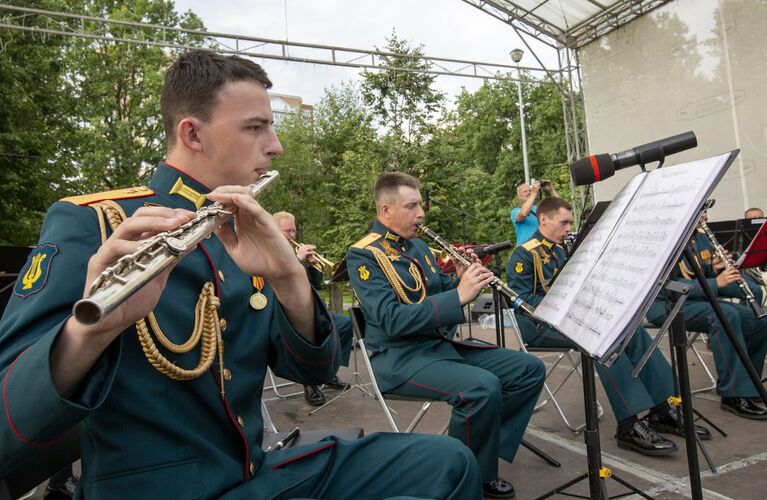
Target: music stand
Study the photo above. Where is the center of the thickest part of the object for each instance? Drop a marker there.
(735, 235)
(341, 273)
(756, 253)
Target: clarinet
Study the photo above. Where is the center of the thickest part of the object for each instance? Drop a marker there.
(758, 311)
(131, 272)
(497, 283)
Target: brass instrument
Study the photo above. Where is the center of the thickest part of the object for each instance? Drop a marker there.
(758, 311)
(497, 283)
(442, 256)
(131, 272)
(318, 262)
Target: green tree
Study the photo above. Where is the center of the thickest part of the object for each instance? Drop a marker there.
(119, 85)
(35, 129)
(402, 100)
(80, 114)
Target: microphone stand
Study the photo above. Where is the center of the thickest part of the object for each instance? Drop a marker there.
(463, 215)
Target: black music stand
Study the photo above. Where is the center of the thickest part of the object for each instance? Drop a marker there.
(756, 253)
(735, 235)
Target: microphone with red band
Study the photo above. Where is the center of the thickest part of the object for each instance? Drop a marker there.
(426, 203)
(595, 168)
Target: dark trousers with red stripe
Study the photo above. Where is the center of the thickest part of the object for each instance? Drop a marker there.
(750, 332)
(492, 392)
(628, 396)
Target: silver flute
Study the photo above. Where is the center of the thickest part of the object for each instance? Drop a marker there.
(131, 272)
(497, 283)
(747, 293)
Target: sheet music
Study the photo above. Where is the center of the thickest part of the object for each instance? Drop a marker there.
(561, 298)
(595, 302)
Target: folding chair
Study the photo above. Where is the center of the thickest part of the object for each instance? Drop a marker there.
(691, 338)
(565, 353)
(358, 328)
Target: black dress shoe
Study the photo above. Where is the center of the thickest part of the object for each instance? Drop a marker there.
(314, 395)
(664, 419)
(500, 488)
(336, 384)
(744, 407)
(63, 492)
(639, 437)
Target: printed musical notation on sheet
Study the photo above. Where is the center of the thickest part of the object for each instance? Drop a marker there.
(601, 289)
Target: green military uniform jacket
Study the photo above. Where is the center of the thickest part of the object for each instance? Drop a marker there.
(145, 435)
(404, 337)
(704, 253)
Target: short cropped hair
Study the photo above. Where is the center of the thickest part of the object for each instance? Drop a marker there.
(550, 206)
(753, 209)
(387, 186)
(524, 184)
(280, 216)
(193, 81)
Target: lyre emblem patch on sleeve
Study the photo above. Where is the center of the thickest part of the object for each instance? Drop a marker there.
(364, 273)
(34, 274)
(519, 267)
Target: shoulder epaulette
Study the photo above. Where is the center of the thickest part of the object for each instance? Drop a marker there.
(367, 240)
(116, 194)
(531, 244)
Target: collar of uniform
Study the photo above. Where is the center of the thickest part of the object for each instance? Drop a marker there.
(167, 176)
(380, 228)
(547, 243)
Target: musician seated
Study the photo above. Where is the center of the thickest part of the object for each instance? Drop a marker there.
(307, 256)
(411, 311)
(738, 393)
(529, 270)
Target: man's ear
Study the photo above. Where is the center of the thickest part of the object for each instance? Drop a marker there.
(188, 132)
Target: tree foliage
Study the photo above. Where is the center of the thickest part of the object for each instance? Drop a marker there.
(79, 114)
(83, 115)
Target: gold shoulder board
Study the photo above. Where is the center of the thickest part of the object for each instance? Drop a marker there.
(530, 244)
(117, 194)
(367, 240)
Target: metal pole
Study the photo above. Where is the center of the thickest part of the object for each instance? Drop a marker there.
(522, 122)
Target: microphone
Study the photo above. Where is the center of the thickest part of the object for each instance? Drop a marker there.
(486, 250)
(426, 204)
(595, 168)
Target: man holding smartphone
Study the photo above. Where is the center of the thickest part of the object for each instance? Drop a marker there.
(524, 217)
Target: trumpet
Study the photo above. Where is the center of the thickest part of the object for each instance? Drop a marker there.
(758, 311)
(131, 272)
(441, 256)
(317, 261)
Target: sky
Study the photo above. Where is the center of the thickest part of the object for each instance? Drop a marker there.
(446, 28)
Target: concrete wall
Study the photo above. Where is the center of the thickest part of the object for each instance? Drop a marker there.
(697, 65)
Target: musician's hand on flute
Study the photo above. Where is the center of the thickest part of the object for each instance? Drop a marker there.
(726, 277)
(78, 346)
(473, 280)
(256, 245)
(259, 248)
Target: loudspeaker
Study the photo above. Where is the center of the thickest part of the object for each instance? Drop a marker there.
(483, 304)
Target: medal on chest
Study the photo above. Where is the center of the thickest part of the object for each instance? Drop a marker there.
(258, 300)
